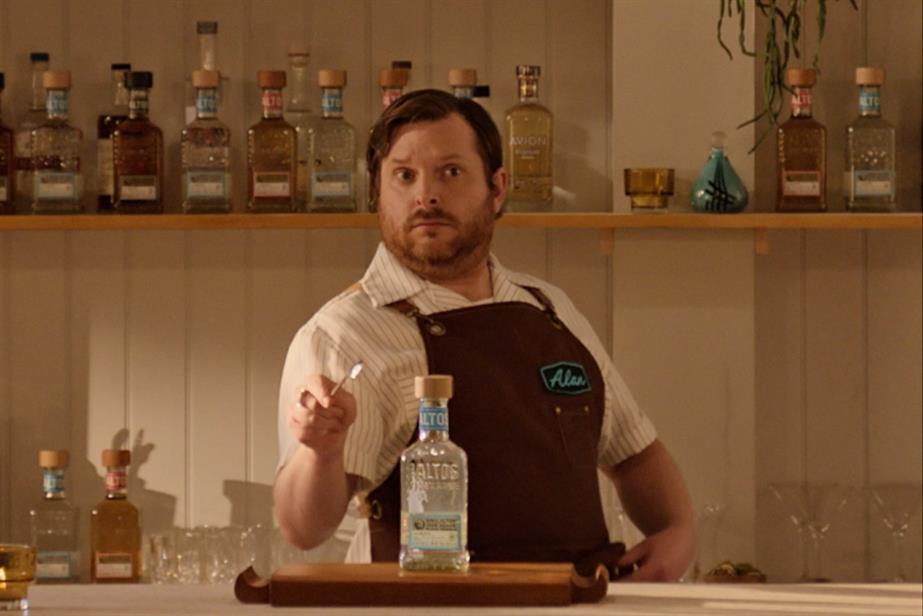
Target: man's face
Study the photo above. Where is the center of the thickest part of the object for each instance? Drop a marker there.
(435, 209)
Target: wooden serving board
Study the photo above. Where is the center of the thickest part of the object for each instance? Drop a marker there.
(372, 584)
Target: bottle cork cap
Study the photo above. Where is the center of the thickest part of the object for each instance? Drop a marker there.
(206, 27)
(437, 386)
(870, 76)
(800, 76)
(393, 78)
(139, 80)
(297, 49)
(402, 64)
(57, 80)
(331, 78)
(116, 457)
(528, 70)
(270, 79)
(203, 78)
(120, 66)
(52, 458)
(39, 56)
(463, 77)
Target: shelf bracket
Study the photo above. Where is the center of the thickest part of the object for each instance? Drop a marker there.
(606, 242)
(761, 241)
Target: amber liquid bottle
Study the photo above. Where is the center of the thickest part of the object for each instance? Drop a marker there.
(106, 124)
(7, 163)
(271, 152)
(137, 146)
(115, 526)
(528, 147)
(801, 156)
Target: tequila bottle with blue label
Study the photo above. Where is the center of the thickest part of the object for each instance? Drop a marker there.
(205, 151)
(801, 155)
(137, 147)
(332, 148)
(57, 183)
(434, 487)
(870, 150)
(463, 81)
(53, 524)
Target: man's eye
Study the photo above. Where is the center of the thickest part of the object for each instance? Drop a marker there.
(405, 175)
(453, 171)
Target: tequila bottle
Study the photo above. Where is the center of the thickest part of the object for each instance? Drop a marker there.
(332, 147)
(205, 151)
(528, 147)
(870, 149)
(207, 32)
(57, 183)
(298, 113)
(34, 117)
(137, 145)
(801, 154)
(115, 529)
(434, 486)
(106, 124)
(7, 163)
(392, 82)
(271, 152)
(463, 81)
(53, 523)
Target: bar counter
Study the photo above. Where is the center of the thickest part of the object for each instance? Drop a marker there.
(622, 599)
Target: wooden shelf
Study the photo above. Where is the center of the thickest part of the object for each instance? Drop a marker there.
(596, 220)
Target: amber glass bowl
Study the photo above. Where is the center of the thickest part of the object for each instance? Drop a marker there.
(649, 188)
(17, 571)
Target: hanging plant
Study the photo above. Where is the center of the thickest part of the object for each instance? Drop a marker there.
(784, 19)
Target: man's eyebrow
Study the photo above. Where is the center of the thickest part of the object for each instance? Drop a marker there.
(442, 159)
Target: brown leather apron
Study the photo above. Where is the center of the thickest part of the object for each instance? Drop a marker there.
(533, 492)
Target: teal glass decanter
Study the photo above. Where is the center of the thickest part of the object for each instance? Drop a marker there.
(718, 189)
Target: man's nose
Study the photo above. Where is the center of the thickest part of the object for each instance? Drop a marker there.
(428, 191)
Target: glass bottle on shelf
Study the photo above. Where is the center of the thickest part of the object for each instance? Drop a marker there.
(406, 66)
(801, 152)
(298, 113)
(871, 178)
(53, 523)
(57, 184)
(392, 82)
(106, 124)
(34, 117)
(463, 81)
(7, 162)
(115, 526)
(205, 151)
(207, 33)
(718, 187)
(332, 144)
(137, 145)
(528, 147)
(481, 94)
(271, 152)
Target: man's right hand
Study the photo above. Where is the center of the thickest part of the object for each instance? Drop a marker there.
(318, 420)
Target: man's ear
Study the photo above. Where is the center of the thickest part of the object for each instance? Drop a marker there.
(501, 182)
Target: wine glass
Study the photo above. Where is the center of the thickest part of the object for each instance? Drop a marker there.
(897, 504)
(708, 519)
(811, 507)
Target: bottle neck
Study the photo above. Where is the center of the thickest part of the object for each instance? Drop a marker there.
(116, 482)
(463, 91)
(53, 483)
(802, 102)
(207, 55)
(298, 89)
(331, 102)
(272, 102)
(206, 103)
(870, 101)
(434, 419)
(138, 103)
(389, 94)
(119, 93)
(528, 90)
(38, 91)
(56, 104)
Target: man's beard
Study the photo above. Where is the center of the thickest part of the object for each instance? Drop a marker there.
(452, 259)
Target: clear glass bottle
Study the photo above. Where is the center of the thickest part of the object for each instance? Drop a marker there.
(207, 33)
(298, 113)
(332, 147)
(718, 187)
(392, 82)
(434, 487)
(106, 124)
(34, 117)
(871, 178)
(205, 151)
(271, 152)
(7, 162)
(53, 523)
(528, 147)
(801, 154)
(57, 183)
(115, 526)
(137, 145)
(463, 81)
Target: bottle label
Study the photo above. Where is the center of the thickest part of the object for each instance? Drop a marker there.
(53, 480)
(528, 148)
(55, 185)
(272, 102)
(113, 564)
(389, 95)
(331, 184)
(801, 183)
(22, 147)
(206, 184)
(872, 183)
(434, 418)
(4, 189)
(138, 102)
(434, 531)
(463, 91)
(51, 565)
(869, 100)
(56, 102)
(116, 480)
(272, 184)
(138, 188)
(802, 100)
(331, 101)
(104, 169)
(206, 102)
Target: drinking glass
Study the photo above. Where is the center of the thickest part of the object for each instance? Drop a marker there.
(708, 520)
(897, 504)
(17, 571)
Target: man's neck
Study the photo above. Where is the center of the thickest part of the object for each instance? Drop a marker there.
(475, 285)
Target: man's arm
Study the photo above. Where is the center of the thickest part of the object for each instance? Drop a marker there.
(654, 496)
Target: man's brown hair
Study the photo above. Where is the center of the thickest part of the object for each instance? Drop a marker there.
(429, 106)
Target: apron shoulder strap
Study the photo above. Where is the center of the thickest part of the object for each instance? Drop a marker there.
(406, 308)
(547, 306)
